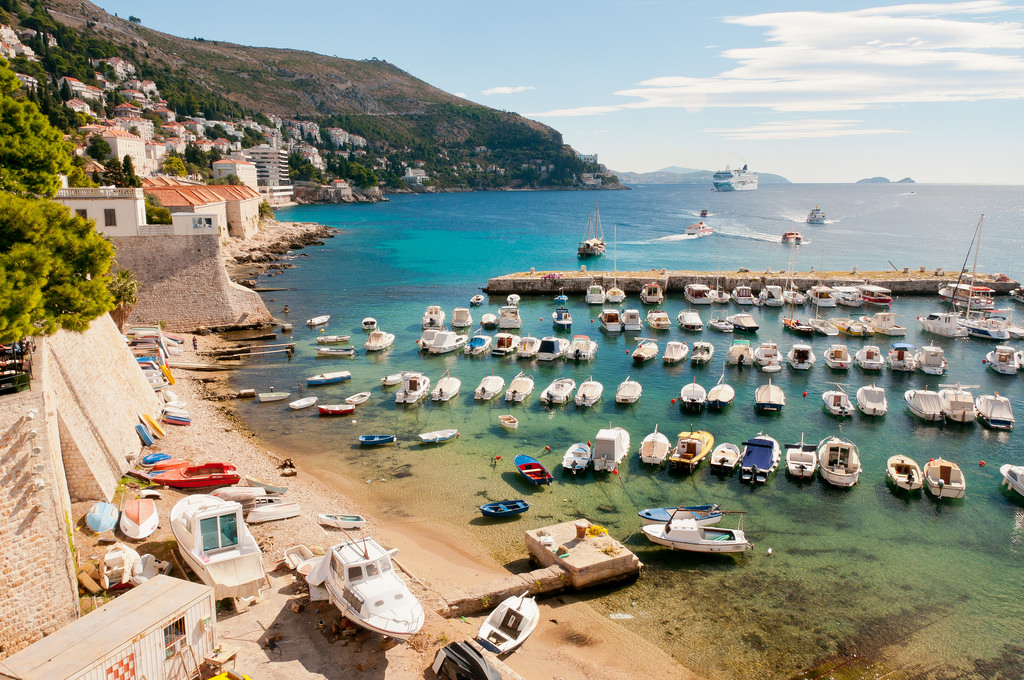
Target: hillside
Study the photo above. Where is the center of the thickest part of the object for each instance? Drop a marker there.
(677, 175)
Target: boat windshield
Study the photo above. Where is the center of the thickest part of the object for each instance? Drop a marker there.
(219, 533)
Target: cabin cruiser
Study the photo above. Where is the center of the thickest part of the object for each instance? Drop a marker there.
(508, 317)
(931, 360)
(943, 323)
(595, 295)
(559, 391)
(957, 404)
(1002, 359)
(884, 323)
(505, 344)
(838, 357)
(611, 446)
(697, 294)
(924, 404)
(978, 298)
(743, 295)
(581, 348)
(446, 341)
(869, 358)
(631, 321)
(875, 295)
(701, 353)
(561, 318)
(792, 238)
(995, 411)
(552, 348)
(478, 344)
(462, 318)
(944, 479)
(742, 321)
(652, 294)
(768, 357)
(628, 392)
(414, 387)
(699, 229)
(611, 320)
(838, 461)
(427, 338)
(589, 392)
(528, 347)
(801, 357)
(675, 351)
(689, 320)
(901, 357)
(821, 296)
(771, 296)
(520, 388)
(816, 216)
(740, 353)
(433, 317)
(658, 320)
(848, 296)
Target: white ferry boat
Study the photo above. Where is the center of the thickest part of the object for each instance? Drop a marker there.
(735, 180)
(816, 216)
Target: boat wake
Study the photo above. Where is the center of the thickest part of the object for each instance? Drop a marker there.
(672, 237)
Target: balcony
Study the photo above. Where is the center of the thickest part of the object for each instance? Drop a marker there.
(101, 192)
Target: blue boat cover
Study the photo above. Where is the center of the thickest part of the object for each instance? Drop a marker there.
(759, 454)
(903, 346)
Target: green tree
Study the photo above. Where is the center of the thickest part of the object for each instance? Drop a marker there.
(130, 178)
(266, 212)
(53, 267)
(98, 148)
(33, 154)
(78, 178)
(156, 213)
(173, 165)
(124, 289)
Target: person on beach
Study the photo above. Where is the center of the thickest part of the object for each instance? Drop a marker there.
(195, 344)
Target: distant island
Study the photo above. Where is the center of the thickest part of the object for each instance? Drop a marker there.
(885, 180)
(676, 175)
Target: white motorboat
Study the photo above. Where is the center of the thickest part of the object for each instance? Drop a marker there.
(357, 398)
(447, 387)
(489, 320)
(838, 461)
(478, 344)
(520, 388)
(945, 324)
(761, 456)
(595, 295)
(438, 436)
(216, 543)
(699, 229)
(739, 354)
(689, 320)
(300, 404)
(414, 387)
(687, 534)
(490, 386)
(771, 296)
(801, 459)
(924, 404)
(610, 320)
(902, 357)
(884, 323)
(675, 351)
(509, 624)
(508, 317)
(822, 327)
(589, 392)
(318, 320)
(341, 521)
(769, 397)
(269, 508)
(561, 318)
(816, 216)
(611, 446)
(505, 344)
(332, 339)
(701, 353)
(328, 378)
(957, 403)
(801, 357)
(652, 294)
(1003, 359)
(646, 349)
(654, 448)
(615, 294)
(528, 347)
(792, 296)
(693, 396)
(462, 318)
(850, 326)
(433, 318)
(871, 400)
(582, 348)
(875, 295)
(577, 457)
(378, 341)
(476, 300)
(968, 296)
(369, 324)
(985, 327)
(837, 402)
(768, 358)
(559, 391)
(720, 324)
(513, 299)
(552, 348)
(426, 339)
(272, 396)
(838, 357)
(742, 322)
(725, 457)
(697, 294)
(392, 379)
(870, 358)
(631, 321)
(1013, 477)
(658, 320)
(628, 392)
(944, 479)
(848, 296)
(931, 360)
(995, 411)
(821, 296)
(362, 582)
(447, 341)
(904, 472)
(721, 395)
(743, 295)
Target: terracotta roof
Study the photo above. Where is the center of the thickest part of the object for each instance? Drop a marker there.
(232, 161)
(115, 132)
(174, 196)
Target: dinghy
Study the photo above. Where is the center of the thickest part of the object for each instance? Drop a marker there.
(837, 402)
(200, 476)
(336, 409)
(332, 339)
(577, 457)
(509, 624)
(721, 395)
(328, 378)
(725, 457)
(769, 398)
(504, 508)
(801, 459)
(871, 400)
(271, 508)
(589, 393)
(357, 398)
(341, 521)
(318, 320)
(904, 472)
(654, 448)
(508, 421)
(701, 354)
(675, 351)
(102, 517)
(530, 468)
(438, 436)
(377, 439)
(490, 386)
(268, 487)
(693, 396)
(300, 404)
(705, 515)
(559, 391)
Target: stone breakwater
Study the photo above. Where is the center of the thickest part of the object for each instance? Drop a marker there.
(576, 282)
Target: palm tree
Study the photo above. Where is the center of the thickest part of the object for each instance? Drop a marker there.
(125, 288)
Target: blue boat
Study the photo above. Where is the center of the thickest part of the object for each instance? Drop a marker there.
(102, 517)
(329, 378)
(504, 508)
(561, 298)
(154, 458)
(562, 318)
(761, 456)
(704, 514)
(376, 439)
(144, 435)
(530, 468)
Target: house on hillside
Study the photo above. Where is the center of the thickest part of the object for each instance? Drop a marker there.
(240, 168)
(123, 143)
(79, 106)
(238, 206)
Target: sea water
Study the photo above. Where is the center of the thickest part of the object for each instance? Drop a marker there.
(865, 580)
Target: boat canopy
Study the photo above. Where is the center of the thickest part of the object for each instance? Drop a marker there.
(905, 346)
(759, 454)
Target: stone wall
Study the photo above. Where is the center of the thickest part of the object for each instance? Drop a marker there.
(184, 284)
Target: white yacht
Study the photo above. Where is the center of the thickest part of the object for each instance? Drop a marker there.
(1003, 359)
(631, 321)
(931, 360)
(943, 323)
(735, 180)
(508, 317)
(968, 296)
(821, 296)
(742, 321)
(414, 387)
(610, 320)
(848, 296)
(378, 341)
(697, 294)
(838, 357)
(689, 320)
(433, 317)
(816, 216)
(595, 295)
(581, 348)
(739, 353)
(552, 348)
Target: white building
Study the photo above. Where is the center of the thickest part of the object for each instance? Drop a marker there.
(122, 212)
(239, 167)
(123, 144)
(271, 173)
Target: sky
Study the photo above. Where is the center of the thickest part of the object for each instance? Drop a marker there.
(815, 92)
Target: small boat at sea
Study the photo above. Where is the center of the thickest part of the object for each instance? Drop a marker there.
(264, 397)
(1003, 359)
(200, 476)
(944, 479)
(476, 300)
(797, 326)
(822, 327)
(848, 326)
(610, 448)
(901, 357)
(593, 243)
(508, 421)
(739, 354)
(879, 296)
(392, 379)
(945, 324)
(884, 323)
(462, 318)
(332, 339)
(848, 296)
(792, 238)
(318, 320)
(693, 396)
(801, 459)
(631, 321)
(705, 515)
(870, 358)
(838, 358)
(652, 294)
(377, 439)
(414, 387)
(686, 534)
(328, 378)
(699, 229)
(509, 624)
(513, 299)
(689, 320)
(347, 522)
(792, 296)
(595, 295)
(957, 403)
(300, 404)
(530, 468)
(589, 392)
(742, 322)
(559, 391)
(102, 517)
(505, 344)
(720, 324)
(438, 436)
(801, 357)
(335, 351)
(654, 448)
(615, 294)
(239, 494)
(646, 349)
(769, 397)
(771, 296)
(697, 294)
(577, 457)
(447, 387)
(924, 404)
(761, 455)
(837, 402)
(378, 341)
(445, 342)
(361, 581)
(489, 320)
(725, 457)
(433, 318)
(995, 411)
(658, 320)
(528, 347)
(931, 360)
(582, 348)
(552, 348)
(871, 400)
(691, 448)
(490, 386)
(821, 296)
(139, 518)
(336, 409)
(768, 358)
(610, 320)
(904, 472)
(357, 398)
(520, 388)
(369, 324)
(1013, 477)
(816, 216)
(743, 295)
(838, 461)
(561, 318)
(504, 508)
(721, 395)
(628, 392)
(701, 353)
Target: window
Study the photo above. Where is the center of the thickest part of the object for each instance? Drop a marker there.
(110, 217)
(355, 574)
(173, 636)
(81, 212)
(219, 533)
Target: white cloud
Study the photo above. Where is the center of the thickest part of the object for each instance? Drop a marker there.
(460, 94)
(508, 90)
(852, 60)
(809, 128)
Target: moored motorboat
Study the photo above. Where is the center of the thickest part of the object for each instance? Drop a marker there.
(489, 320)
(837, 402)
(264, 397)
(838, 358)
(821, 296)
(391, 379)
(508, 317)
(801, 357)
(528, 347)
(705, 515)
(721, 395)
(476, 300)
(884, 323)
(631, 321)
(594, 295)
(336, 409)
(610, 320)
(446, 341)
(378, 341)
(646, 349)
(509, 624)
(945, 324)
(1003, 359)
(797, 326)
(995, 411)
(675, 351)
(610, 448)
(505, 344)
(761, 455)
(559, 391)
(871, 400)
(490, 386)
(849, 326)
(771, 296)
(693, 396)
(848, 296)
(433, 318)
(414, 387)
(552, 348)
(200, 476)
(689, 320)
(931, 360)
(577, 457)
(447, 387)
(654, 448)
(769, 397)
(720, 324)
(628, 392)
(697, 294)
(742, 322)
(822, 327)
(332, 339)
(478, 344)
(743, 295)
(520, 388)
(318, 320)
(561, 318)
(869, 358)
(691, 448)
(701, 353)
(838, 461)
(652, 294)
(957, 403)
(1013, 477)
(328, 378)
(581, 348)
(725, 457)
(768, 358)
(589, 392)
(801, 459)
(300, 404)
(658, 320)
(739, 354)
(876, 295)
(687, 534)
(901, 356)
(904, 472)
(944, 479)
(924, 404)
(462, 318)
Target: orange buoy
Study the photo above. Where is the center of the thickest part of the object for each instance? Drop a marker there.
(497, 458)
(615, 472)
(982, 463)
(627, 352)
(673, 400)
(547, 448)
(805, 394)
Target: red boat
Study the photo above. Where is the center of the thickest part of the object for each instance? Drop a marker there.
(200, 476)
(336, 409)
(170, 464)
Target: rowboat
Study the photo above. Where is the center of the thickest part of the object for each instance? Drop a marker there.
(508, 421)
(530, 468)
(438, 436)
(102, 517)
(318, 320)
(270, 508)
(299, 404)
(509, 624)
(476, 300)
(328, 378)
(154, 458)
(335, 351)
(336, 409)
(271, 396)
(376, 439)
(504, 508)
(704, 514)
(332, 339)
(725, 457)
(357, 398)
(342, 521)
(200, 476)
(654, 448)
(266, 486)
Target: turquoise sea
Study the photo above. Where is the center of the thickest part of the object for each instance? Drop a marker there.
(865, 581)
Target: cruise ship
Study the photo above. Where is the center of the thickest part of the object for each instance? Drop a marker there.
(735, 180)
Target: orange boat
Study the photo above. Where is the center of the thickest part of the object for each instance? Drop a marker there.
(200, 476)
(792, 238)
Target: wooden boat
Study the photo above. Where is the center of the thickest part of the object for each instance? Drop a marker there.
(361, 581)
(904, 472)
(200, 476)
(328, 378)
(102, 517)
(391, 379)
(335, 351)
(769, 397)
(611, 446)
(341, 521)
(377, 439)
(725, 457)
(628, 392)
(577, 457)
(336, 409)
(438, 436)
(318, 320)
(838, 461)
(269, 487)
(1013, 477)
(508, 421)
(871, 400)
(530, 468)
(504, 508)
(271, 508)
(332, 339)
(270, 396)
(761, 455)
(995, 411)
(509, 624)
(296, 556)
(797, 326)
(801, 459)
(944, 479)
(654, 448)
(300, 404)
(691, 448)
(705, 515)
(357, 398)
(687, 534)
